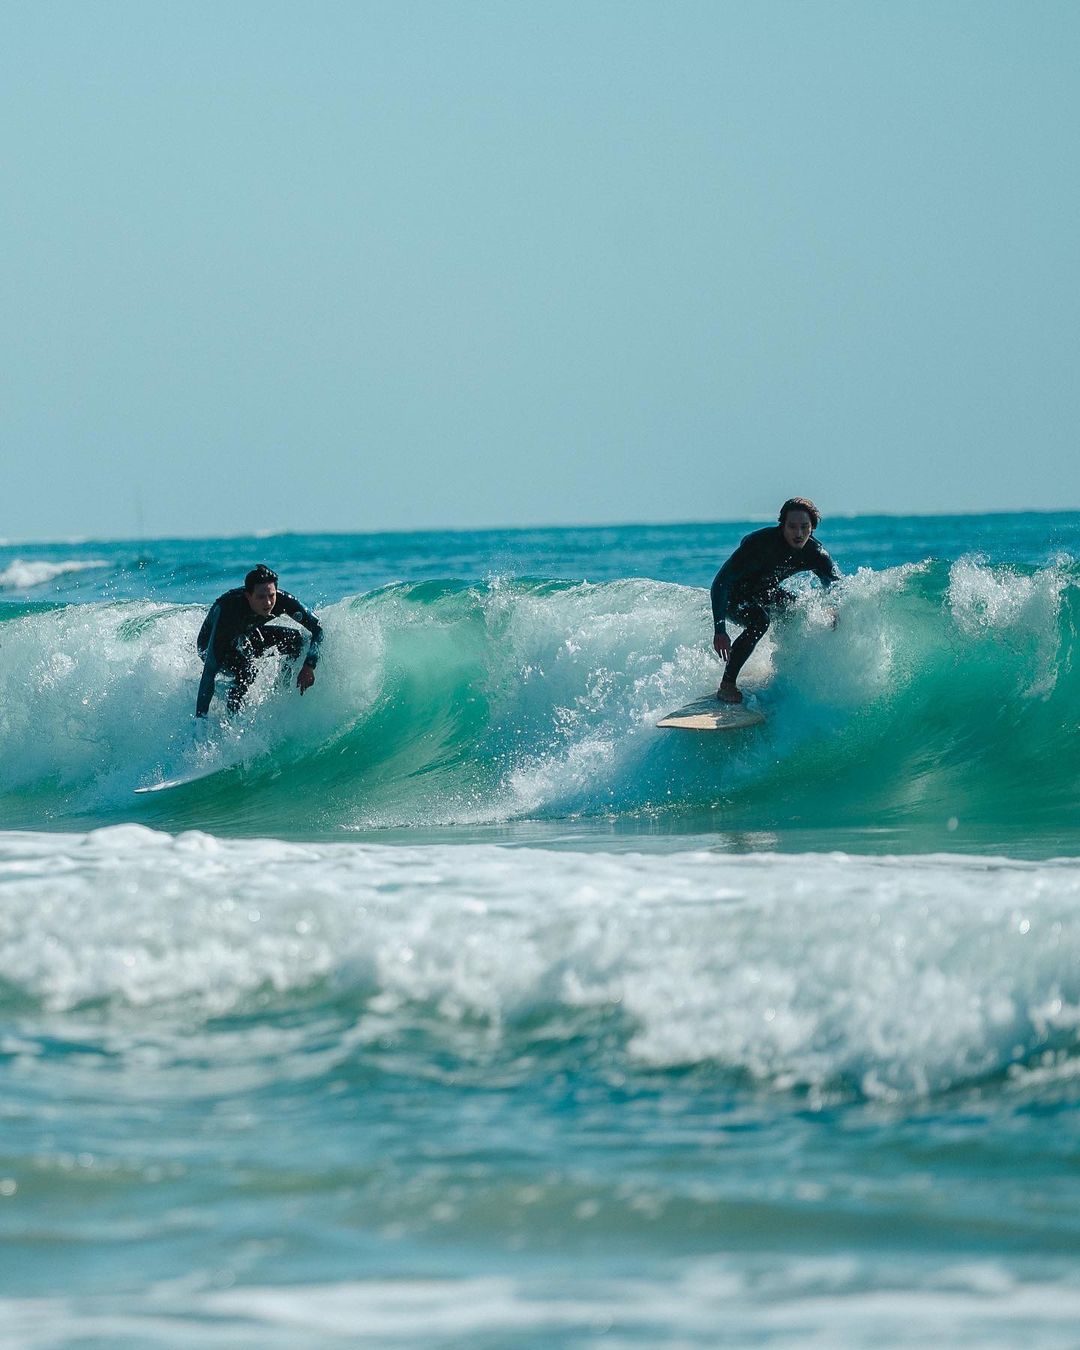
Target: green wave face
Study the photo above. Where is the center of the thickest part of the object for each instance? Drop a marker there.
(942, 702)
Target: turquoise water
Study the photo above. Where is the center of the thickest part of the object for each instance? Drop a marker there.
(462, 1006)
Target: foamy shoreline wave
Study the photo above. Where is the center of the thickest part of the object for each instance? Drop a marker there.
(887, 977)
(781, 1300)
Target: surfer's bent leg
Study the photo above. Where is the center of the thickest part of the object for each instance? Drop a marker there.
(288, 642)
(240, 662)
(755, 621)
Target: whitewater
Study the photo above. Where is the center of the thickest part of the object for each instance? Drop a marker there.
(460, 1005)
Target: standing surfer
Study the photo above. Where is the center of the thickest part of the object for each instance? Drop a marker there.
(235, 633)
(747, 588)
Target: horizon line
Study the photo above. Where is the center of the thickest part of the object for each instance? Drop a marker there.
(751, 519)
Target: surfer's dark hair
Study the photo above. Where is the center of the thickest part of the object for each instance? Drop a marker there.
(259, 576)
(801, 504)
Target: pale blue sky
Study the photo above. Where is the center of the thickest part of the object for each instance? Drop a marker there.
(362, 265)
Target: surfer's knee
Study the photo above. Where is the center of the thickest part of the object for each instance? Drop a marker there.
(755, 622)
(290, 642)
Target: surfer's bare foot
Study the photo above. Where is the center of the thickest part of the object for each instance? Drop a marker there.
(729, 692)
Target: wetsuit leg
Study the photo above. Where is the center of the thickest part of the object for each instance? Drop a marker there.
(289, 643)
(286, 640)
(755, 621)
(240, 662)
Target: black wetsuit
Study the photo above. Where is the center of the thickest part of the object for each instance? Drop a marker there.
(233, 636)
(748, 586)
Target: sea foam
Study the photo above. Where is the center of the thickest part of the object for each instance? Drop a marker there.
(831, 974)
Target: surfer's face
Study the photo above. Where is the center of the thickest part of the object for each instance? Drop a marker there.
(263, 598)
(797, 528)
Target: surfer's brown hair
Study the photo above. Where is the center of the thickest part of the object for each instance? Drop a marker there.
(801, 504)
(259, 576)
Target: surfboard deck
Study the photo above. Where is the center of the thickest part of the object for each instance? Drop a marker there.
(709, 714)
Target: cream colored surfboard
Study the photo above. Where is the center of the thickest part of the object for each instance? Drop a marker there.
(709, 714)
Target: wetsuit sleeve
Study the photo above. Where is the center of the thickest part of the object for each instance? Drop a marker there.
(295, 610)
(825, 569)
(206, 632)
(718, 595)
(206, 645)
(736, 567)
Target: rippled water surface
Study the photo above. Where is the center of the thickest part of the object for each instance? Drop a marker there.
(459, 1005)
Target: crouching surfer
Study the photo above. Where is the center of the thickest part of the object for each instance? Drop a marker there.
(237, 631)
(747, 588)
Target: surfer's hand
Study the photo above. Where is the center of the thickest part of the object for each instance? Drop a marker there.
(721, 644)
(305, 679)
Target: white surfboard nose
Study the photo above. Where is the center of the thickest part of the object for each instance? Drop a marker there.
(709, 714)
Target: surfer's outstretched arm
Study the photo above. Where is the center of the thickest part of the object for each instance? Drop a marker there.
(206, 686)
(205, 644)
(737, 568)
(302, 615)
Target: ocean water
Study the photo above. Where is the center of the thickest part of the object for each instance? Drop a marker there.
(461, 1006)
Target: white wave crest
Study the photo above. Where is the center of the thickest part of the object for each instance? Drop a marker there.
(23, 575)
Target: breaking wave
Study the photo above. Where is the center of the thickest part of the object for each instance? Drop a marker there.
(945, 693)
